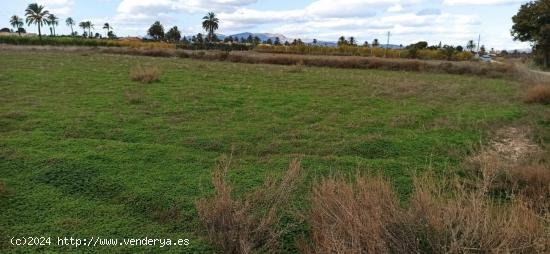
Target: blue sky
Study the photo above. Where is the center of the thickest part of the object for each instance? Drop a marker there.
(450, 21)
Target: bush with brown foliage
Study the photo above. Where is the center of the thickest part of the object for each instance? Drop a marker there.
(528, 180)
(470, 221)
(538, 94)
(145, 75)
(364, 217)
(246, 225)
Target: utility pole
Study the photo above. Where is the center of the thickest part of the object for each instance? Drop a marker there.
(387, 45)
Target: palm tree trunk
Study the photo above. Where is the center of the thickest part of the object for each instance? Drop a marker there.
(72, 32)
(39, 33)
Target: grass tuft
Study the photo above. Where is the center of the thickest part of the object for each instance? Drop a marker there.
(145, 75)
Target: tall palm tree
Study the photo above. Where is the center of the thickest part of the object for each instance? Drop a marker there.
(352, 41)
(471, 45)
(107, 27)
(210, 24)
(17, 23)
(86, 25)
(70, 22)
(83, 26)
(36, 14)
(53, 22)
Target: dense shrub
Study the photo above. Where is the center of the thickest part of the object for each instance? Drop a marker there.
(538, 94)
(364, 217)
(145, 74)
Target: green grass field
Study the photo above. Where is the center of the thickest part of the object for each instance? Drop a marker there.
(86, 152)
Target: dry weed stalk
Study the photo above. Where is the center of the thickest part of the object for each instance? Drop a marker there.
(247, 225)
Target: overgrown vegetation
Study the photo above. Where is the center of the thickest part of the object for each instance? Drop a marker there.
(351, 62)
(78, 41)
(247, 225)
(538, 94)
(456, 215)
(345, 50)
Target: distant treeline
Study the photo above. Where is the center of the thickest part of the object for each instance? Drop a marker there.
(443, 53)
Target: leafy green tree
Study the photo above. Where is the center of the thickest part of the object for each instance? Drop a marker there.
(277, 41)
(449, 52)
(315, 41)
(352, 41)
(17, 23)
(173, 35)
(532, 23)
(269, 41)
(424, 45)
(36, 14)
(70, 23)
(200, 38)
(482, 50)
(375, 43)
(471, 45)
(366, 44)
(210, 23)
(256, 40)
(342, 41)
(52, 20)
(156, 31)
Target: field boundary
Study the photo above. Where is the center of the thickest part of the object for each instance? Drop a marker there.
(346, 62)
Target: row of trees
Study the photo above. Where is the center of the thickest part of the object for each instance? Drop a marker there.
(210, 24)
(38, 15)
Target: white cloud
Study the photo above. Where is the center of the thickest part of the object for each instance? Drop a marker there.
(481, 2)
(57, 7)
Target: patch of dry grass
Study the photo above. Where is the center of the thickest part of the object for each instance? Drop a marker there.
(145, 75)
(247, 225)
(469, 221)
(538, 94)
(364, 217)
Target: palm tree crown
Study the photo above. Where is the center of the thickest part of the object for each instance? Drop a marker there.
(36, 14)
(87, 25)
(107, 27)
(17, 23)
(210, 24)
(52, 20)
(70, 22)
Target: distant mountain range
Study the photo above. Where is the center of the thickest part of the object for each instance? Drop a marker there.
(262, 36)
